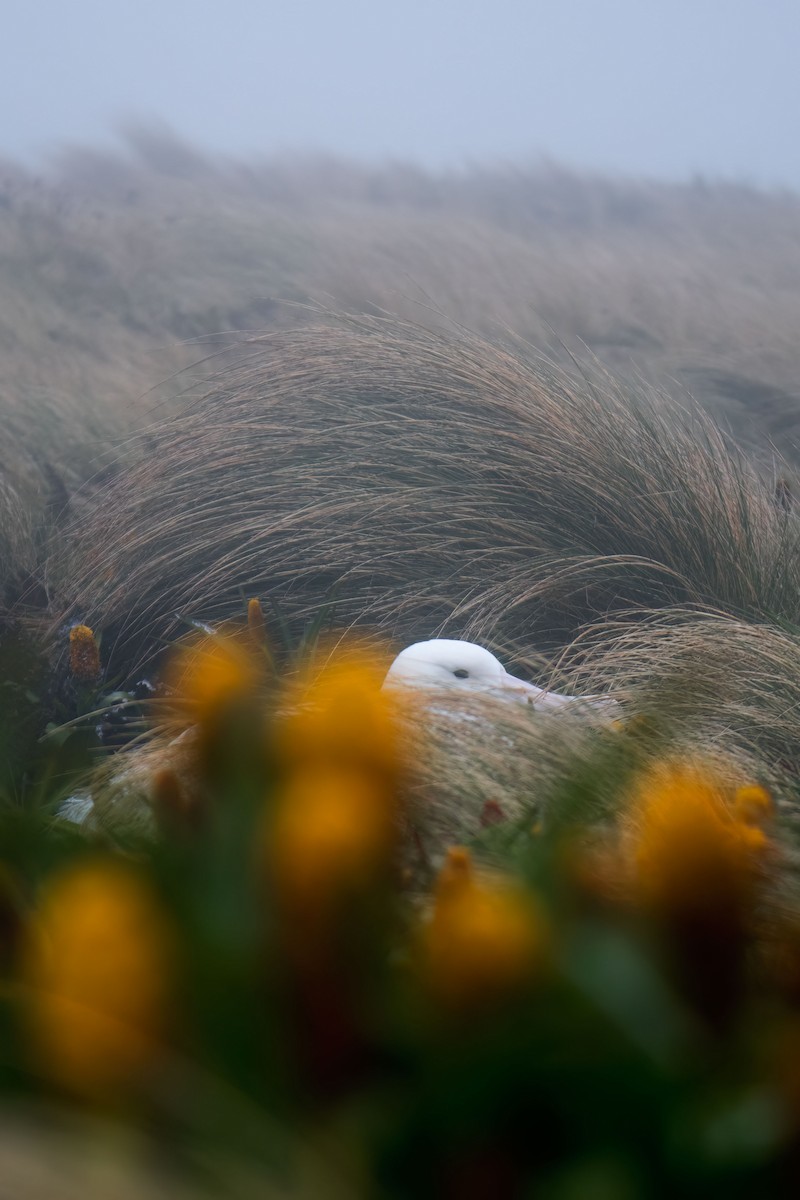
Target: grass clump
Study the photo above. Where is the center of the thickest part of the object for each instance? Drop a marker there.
(437, 482)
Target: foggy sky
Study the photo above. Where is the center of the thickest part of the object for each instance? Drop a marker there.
(658, 87)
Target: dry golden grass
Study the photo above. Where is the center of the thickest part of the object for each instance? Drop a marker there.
(436, 482)
(117, 269)
(111, 263)
(713, 680)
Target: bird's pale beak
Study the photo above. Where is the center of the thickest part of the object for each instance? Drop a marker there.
(528, 693)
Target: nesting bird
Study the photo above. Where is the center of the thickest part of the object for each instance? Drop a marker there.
(449, 663)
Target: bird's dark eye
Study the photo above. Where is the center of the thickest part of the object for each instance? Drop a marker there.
(460, 673)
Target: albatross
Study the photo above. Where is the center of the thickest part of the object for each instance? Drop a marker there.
(465, 666)
(430, 665)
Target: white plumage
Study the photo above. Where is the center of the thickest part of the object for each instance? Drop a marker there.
(464, 666)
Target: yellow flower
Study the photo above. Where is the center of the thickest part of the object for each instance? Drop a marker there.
(256, 626)
(333, 827)
(342, 717)
(753, 805)
(84, 656)
(211, 674)
(484, 939)
(697, 867)
(456, 874)
(332, 835)
(691, 846)
(688, 835)
(97, 969)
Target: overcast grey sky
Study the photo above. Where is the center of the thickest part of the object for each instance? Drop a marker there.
(660, 87)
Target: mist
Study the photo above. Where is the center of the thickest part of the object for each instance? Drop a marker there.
(661, 89)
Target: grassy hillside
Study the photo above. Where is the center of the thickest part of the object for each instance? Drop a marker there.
(427, 481)
(118, 269)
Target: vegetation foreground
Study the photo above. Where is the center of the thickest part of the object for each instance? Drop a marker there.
(310, 939)
(578, 1006)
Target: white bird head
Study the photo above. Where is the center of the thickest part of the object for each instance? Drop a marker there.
(443, 662)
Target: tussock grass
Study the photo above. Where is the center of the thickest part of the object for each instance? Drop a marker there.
(714, 681)
(432, 482)
(16, 549)
(680, 280)
(119, 269)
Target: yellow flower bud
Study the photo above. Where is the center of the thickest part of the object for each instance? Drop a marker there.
(256, 625)
(343, 717)
(753, 805)
(697, 868)
(84, 655)
(333, 834)
(691, 846)
(211, 674)
(457, 873)
(484, 940)
(97, 970)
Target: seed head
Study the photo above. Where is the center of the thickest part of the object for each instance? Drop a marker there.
(84, 655)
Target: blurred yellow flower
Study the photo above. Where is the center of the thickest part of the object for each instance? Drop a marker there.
(485, 938)
(333, 826)
(341, 716)
(332, 834)
(457, 872)
(753, 805)
(256, 625)
(84, 655)
(691, 844)
(97, 970)
(211, 674)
